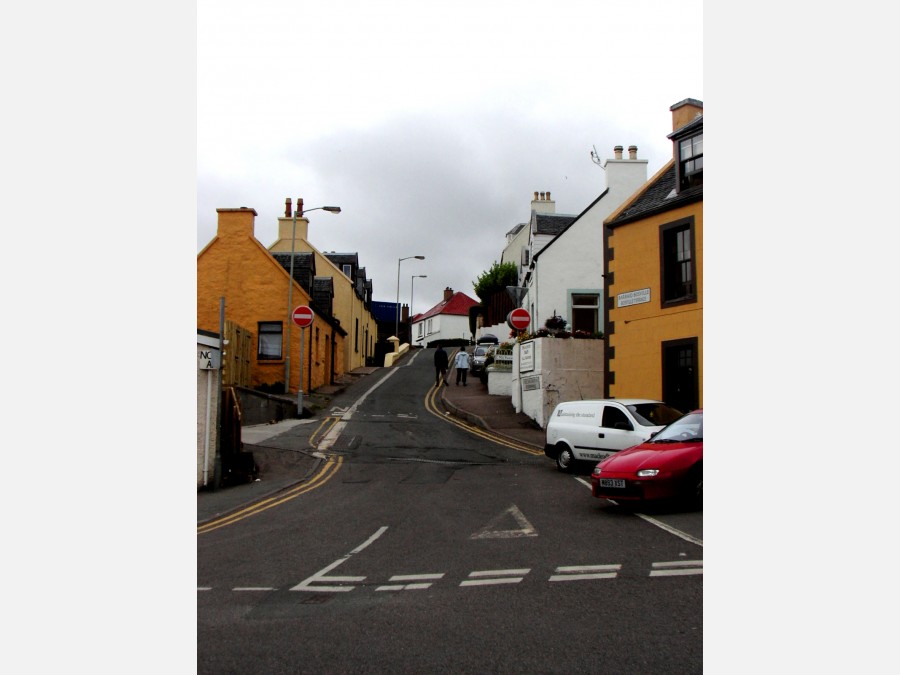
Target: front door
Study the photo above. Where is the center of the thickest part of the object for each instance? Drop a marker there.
(680, 374)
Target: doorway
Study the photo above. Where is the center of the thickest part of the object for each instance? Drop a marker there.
(680, 374)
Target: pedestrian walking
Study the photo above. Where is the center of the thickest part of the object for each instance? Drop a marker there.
(441, 362)
(462, 366)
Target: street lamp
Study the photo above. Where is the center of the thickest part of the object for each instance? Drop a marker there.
(412, 284)
(287, 359)
(397, 323)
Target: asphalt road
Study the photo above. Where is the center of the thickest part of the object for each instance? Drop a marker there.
(426, 548)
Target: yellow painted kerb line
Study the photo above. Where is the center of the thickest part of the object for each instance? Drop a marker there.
(328, 470)
(431, 406)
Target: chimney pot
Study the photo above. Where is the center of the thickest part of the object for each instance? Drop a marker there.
(287, 207)
(535, 196)
(632, 152)
(548, 196)
(618, 151)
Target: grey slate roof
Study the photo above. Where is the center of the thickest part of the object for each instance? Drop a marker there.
(657, 198)
(304, 267)
(323, 294)
(551, 223)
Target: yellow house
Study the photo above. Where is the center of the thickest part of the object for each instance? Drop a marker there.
(352, 292)
(654, 277)
(236, 266)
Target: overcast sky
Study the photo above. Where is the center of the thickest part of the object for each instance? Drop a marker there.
(431, 126)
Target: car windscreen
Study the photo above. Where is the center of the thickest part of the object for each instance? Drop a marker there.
(480, 351)
(654, 414)
(687, 428)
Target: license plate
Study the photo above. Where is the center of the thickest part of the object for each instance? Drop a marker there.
(612, 482)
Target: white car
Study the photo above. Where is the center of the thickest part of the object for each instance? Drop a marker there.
(591, 431)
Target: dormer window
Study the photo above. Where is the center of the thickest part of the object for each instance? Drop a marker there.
(690, 161)
(348, 270)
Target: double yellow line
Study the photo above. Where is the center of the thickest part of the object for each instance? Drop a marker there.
(322, 476)
(432, 407)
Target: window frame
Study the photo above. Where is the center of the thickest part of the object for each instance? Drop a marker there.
(688, 179)
(666, 263)
(260, 325)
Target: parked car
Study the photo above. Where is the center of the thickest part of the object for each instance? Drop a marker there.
(580, 431)
(479, 354)
(668, 465)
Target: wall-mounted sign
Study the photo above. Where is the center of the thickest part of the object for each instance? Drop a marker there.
(633, 297)
(526, 357)
(208, 359)
(532, 383)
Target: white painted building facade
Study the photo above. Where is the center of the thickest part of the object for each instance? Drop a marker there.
(560, 257)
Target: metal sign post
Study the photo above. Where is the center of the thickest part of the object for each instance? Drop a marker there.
(300, 388)
(302, 316)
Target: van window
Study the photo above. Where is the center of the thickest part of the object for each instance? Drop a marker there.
(613, 416)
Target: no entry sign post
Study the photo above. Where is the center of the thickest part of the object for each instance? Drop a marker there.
(518, 319)
(302, 316)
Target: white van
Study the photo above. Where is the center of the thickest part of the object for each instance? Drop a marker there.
(581, 431)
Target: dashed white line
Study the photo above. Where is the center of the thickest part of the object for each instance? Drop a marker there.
(254, 588)
(582, 572)
(678, 568)
(497, 577)
(423, 581)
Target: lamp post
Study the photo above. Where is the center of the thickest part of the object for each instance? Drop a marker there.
(412, 285)
(397, 323)
(287, 359)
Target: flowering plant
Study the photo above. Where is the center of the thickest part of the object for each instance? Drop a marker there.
(555, 322)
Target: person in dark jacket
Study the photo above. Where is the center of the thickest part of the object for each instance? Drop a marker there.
(441, 362)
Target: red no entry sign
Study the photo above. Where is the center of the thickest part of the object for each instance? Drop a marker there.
(518, 319)
(302, 316)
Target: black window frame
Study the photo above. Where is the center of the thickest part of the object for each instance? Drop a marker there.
(261, 327)
(674, 288)
(690, 165)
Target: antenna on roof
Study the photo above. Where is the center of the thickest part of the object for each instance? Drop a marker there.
(595, 158)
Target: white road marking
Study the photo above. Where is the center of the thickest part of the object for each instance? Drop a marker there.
(489, 531)
(204, 588)
(583, 572)
(306, 584)
(254, 588)
(679, 568)
(653, 521)
(499, 577)
(420, 578)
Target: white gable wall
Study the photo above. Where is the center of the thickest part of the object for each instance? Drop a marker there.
(441, 327)
(574, 261)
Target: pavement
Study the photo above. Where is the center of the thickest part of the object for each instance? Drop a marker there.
(286, 458)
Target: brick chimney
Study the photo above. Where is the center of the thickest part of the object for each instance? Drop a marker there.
(286, 223)
(542, 203)
(448, 293)
(685, 111)
(236, 222)
(624, 176)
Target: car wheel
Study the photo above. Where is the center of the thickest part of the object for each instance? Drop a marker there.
(694, 484)
(565, 459)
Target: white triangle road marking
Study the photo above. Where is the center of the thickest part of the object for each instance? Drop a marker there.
(491, 531)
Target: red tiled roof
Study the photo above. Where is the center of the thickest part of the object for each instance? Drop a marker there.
(458, 305)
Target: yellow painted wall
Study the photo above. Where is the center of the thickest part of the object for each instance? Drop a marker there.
(347, 306)
(641, 329)
(255, 287)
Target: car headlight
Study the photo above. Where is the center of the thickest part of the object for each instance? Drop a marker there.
(597, 471)
(647, 473)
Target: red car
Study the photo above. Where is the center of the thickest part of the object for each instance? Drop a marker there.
(669, 464)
